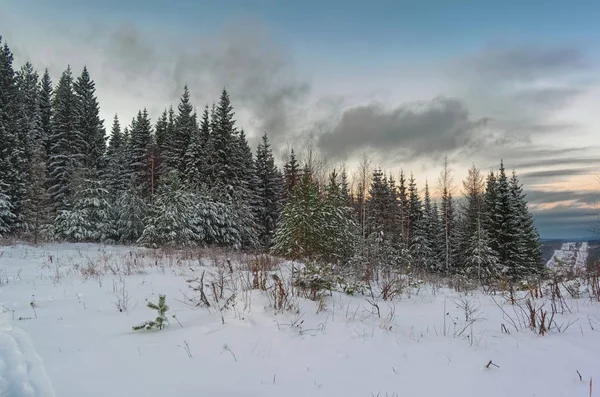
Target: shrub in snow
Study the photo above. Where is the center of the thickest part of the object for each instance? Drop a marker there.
(314, 279)
(161, 320)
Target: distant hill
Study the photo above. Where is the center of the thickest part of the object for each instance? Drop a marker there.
(577, 253)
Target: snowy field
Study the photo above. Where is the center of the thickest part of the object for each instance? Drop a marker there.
(68, 311)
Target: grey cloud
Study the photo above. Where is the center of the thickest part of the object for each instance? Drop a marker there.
(525, 63)
(550, 98)
(536, 196)
(559, 161)
(522, 88)
(266, 90)
(556, 173)
(566, 222)
(441, 125)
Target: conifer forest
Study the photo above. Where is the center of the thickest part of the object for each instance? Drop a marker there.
(190, 178)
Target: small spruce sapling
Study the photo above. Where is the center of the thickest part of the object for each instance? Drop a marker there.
(161, 320)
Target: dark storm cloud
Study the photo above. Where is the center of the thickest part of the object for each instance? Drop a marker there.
(566, 222)
(441, 125)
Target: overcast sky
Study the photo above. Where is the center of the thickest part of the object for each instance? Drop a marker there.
(406, 82)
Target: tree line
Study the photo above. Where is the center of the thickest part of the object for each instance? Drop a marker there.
(192, 179)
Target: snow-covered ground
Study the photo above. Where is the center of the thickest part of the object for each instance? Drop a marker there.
(572, 254)
(61, 334)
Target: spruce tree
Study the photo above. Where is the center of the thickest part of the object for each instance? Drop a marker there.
(163, 141)
(430, 224)
(186, 127)
(172, 219)
(526, 232)
(404, 211)
(130, 214)
(196, 160)
(6, 212)
(269, 190)
(28, 134)
(36, 223)
(223, 170)
(472, 215)
(342, 228)
(140, 153)
(509, 253)
(45, 103)
(291, 175)
(11, 175)
(448, 236)
(64, 157)
(300, 234)
(480, 260)
(88, 216)
(414, 210)
(88, 123)
(116, 160)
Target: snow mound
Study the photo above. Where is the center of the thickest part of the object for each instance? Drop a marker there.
(22, 372)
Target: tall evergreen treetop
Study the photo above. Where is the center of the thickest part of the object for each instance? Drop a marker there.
(46, 107)
(89, 125)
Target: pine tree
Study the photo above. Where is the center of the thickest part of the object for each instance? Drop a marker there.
(345, 189)
(28, 135)
(140, 155)
(377, 204)
(432, 246)
(481, 261)
(223, 171)
(45, 103)
(88, 217)
(448, 219)
(88, 123)
(172, 219)
(526, 232)
(11, 175)
(36, 212)
(291, 176)
(404, 209)
(6, 212)
(507, 222)
(186, 127)
(490, 220)
(342, 228)
(300, 232)
(130, 215)
(414, 211)
(163, 141)
(64, 142)
(472, 215)
(269, 189)
(197, 153)
(116, 160)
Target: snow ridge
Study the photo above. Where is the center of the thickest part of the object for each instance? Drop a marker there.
(22, 372)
